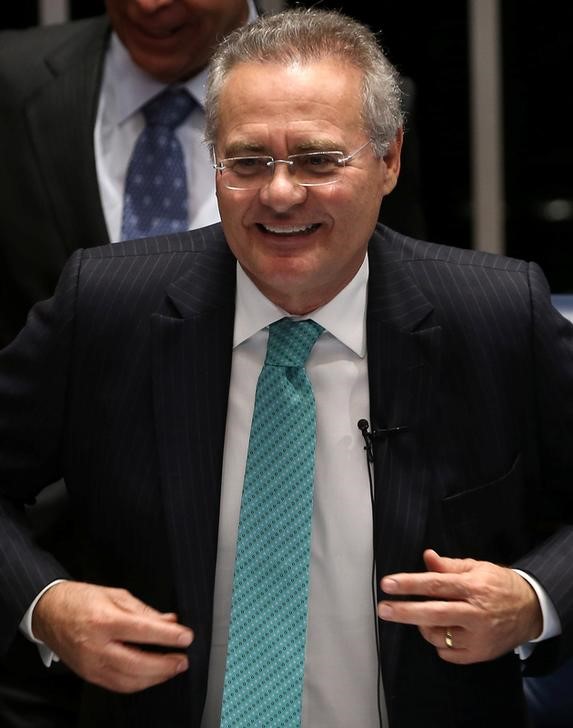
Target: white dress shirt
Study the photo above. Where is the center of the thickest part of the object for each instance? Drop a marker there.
(340, 682)
(125, 89)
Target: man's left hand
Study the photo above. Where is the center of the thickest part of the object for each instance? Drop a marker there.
(475, 611)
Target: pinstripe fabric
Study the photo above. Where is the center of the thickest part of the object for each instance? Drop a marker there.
(466, 477)
(108, 386)
(49, 86)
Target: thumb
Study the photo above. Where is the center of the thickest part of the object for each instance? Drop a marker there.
(445, 565)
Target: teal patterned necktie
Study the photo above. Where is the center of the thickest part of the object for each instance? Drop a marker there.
(267, 633)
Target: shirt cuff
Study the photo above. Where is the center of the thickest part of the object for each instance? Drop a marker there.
(46, 654)
(551, 622)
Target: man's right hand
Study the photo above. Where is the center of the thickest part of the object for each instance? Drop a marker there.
(96, 631)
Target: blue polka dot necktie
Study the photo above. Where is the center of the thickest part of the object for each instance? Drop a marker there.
(267, 632)
(155, 195)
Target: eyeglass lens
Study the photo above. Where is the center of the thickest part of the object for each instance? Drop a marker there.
(312, 168)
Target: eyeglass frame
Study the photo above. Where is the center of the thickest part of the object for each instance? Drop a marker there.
(342, 162)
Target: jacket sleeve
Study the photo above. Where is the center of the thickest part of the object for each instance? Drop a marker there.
(551, 561)
(34, 382)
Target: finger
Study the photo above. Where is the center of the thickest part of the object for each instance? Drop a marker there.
(428, 613)
(426, 584)
(444, 564)
(132, 605)
(168, 616)
(449, 644)
(434, 563)
(455, 656)
(126, 669)
(131, 620)
(433, 560)
(449, 638)
(148, 666)
(151, 630)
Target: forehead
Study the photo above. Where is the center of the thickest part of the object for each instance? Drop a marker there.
(321, 99)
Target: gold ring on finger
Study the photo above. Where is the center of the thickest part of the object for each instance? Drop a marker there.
(448, 639)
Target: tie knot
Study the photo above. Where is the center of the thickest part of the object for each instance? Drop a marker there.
(290, 342)
(170, 108)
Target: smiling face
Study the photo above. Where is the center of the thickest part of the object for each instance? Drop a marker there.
(173, 39)
(300, 245)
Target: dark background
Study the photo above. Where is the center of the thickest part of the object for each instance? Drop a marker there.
(429, 43)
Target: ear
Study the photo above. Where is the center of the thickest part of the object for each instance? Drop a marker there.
(392, 162)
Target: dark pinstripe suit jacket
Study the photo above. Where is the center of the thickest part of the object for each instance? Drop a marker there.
(120, 385)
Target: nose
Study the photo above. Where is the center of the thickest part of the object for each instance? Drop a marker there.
(281, 192)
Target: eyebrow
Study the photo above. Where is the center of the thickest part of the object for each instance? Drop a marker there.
(241, 149)
(318, 145)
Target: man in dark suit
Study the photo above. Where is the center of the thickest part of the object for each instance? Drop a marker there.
(136, 382)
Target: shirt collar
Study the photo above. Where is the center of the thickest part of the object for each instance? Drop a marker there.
(344, 317)
(128, 87)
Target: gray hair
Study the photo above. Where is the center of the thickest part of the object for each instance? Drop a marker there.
(308, 36)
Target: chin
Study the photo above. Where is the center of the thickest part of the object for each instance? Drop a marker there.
(288, 269)
(287, 285)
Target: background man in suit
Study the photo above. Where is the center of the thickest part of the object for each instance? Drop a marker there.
(137, 382)
(71, 110)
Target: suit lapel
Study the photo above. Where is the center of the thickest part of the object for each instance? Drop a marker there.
(403, 361)
(191, 352)
(65, 148)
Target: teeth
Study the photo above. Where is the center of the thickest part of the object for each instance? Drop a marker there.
(161, 32)
(288, 230)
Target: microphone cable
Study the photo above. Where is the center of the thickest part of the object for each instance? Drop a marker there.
(369, 438)
(363, 426)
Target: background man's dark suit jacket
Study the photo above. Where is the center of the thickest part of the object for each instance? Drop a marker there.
(49, 89)
(120, 385)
